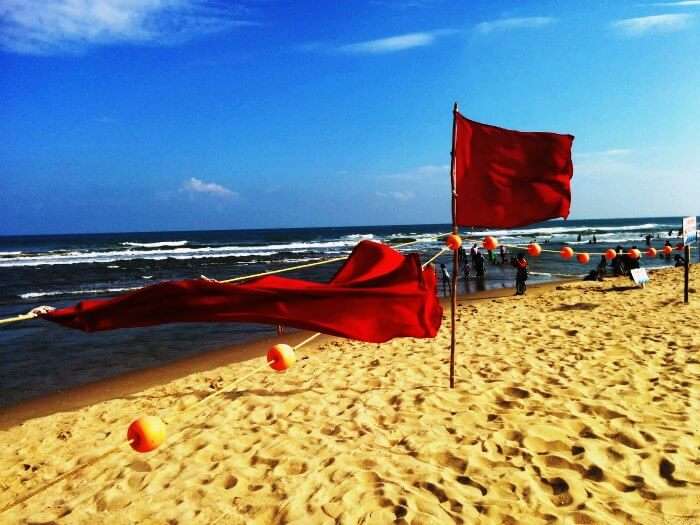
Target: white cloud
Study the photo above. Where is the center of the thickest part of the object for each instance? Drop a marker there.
(683, 3)
(608, 163)
(44, 27)
(421, 173)
(653, 24)
(194, 185)
(506, 24)
(404, 4)
(391, 44)
(402, 196)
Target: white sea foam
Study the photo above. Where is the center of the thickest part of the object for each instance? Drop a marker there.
(163, 244)
(358, 236)
(529, 232)
(35, 295)
(9, 254)
(86, 257)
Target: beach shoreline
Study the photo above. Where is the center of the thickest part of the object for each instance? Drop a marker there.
(577, 403)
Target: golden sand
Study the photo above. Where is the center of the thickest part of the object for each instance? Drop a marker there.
(580, 404)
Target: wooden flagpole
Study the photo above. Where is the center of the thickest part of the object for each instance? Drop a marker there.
(686, 271)
(455, 253)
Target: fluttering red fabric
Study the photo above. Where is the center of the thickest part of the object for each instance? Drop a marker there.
(377, 294)
(507, 178)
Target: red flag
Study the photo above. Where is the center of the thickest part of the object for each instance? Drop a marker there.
(506, 178)
(378, 294)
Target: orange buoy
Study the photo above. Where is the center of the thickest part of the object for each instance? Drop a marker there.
(651, 252)
(634, 253)
(567, 252)
(280, 357)
(146, 433)
(534, 249)
(453, 241)
(583, 257)
(490, 243)
(610, 254)
(668, 250)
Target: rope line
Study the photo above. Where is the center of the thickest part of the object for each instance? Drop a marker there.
(231, 386)
(59, 478)
(22, 317)
(31, 314)
(281, 270)
(235, 383)
(524, 247)
(438, 254)
(308, 265)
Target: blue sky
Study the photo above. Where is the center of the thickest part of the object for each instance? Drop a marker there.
(139, 115)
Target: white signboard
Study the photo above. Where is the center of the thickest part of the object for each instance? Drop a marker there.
(639, 276)
(690, 230)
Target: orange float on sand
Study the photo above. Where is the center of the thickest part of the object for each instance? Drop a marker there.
(634, 253)
(610, 254)
(146, 433)
(453, 241)
(583, 257)
(567, 252)
(281, 356)
(490, 243)
(534, 249)
(651, 252)
(668, 250)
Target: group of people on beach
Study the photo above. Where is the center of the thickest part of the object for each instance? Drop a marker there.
(475, 260)
(623, 264)
(592, 240)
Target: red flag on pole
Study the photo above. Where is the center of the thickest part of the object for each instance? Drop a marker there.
(507, 178)
(377, 295)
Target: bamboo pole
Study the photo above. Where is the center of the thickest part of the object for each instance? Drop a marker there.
(455, 254)
(686, 252)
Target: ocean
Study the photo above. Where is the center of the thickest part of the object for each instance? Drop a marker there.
(38, 357)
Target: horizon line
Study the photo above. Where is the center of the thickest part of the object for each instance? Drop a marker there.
(4, 235)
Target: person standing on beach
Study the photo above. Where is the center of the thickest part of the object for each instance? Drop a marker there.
(465, 265)
(601, 268)
(503, 254)
(479, 264)
(445, 280)
(619, 262)
(472, 253)
(520, 264)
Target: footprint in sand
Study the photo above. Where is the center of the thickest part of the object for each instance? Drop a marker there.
(666, 469)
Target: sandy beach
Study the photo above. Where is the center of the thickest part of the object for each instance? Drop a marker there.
(577, 403)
